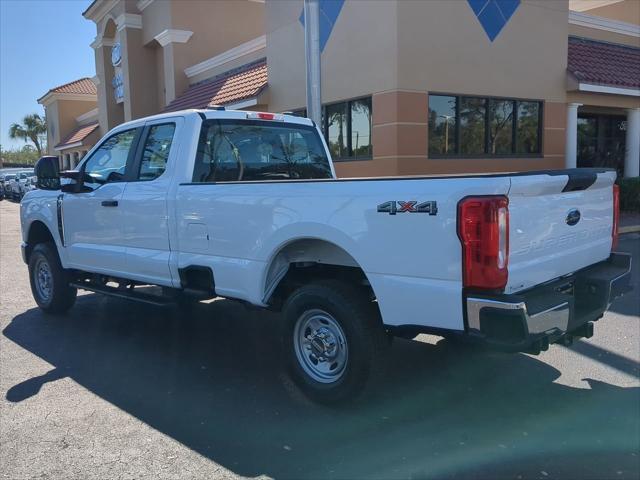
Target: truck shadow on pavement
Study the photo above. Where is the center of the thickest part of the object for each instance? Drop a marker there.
(212, 380)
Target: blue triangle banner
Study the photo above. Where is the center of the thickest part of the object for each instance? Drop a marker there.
(493, 15)
(329, 13)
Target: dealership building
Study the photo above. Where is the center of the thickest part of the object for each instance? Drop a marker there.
(408, 87)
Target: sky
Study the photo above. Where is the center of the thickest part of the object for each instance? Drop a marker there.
(43, 44)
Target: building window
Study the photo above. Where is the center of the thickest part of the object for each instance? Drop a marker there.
(336, 129)
(472, 118)
(347, 128)
(483, 127)
(601, 141)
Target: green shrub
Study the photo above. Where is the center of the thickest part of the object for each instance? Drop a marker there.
(629, 194)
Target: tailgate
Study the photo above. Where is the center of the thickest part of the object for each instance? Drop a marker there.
(558, 223)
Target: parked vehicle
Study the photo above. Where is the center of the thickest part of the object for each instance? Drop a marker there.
(18, 183)
(246, 205)
(29, 185)
(5, 185)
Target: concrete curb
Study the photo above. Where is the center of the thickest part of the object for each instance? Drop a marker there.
(629, 229)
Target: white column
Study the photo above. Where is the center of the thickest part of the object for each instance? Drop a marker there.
(571, 147)
(632, 151)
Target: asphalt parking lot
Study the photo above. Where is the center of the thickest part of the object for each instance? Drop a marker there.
(115, 389)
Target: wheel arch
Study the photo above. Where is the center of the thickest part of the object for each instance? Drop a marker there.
(309, 257)
(37, 233)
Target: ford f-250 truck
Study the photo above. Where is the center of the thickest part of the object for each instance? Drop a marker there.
(246, 205)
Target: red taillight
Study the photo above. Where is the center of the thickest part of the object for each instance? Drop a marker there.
(616, 216)
(483, 228)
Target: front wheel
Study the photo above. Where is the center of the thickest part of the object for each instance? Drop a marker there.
(334, 341)
(49, 281)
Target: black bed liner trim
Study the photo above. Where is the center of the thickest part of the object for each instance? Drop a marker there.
(573, 172)
(580, 179)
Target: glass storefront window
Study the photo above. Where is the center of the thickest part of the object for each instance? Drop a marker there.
(361, 128)
(337, 129)
(442, 124)
(500, 126)
(472, 125)
(483, 127)
(601, 141)
(528, 128)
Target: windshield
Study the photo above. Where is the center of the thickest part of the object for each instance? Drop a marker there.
(235, 150)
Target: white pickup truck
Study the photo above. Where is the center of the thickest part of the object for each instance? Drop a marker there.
(245, 205)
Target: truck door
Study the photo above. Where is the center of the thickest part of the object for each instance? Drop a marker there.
(145, 219)
(92, 220)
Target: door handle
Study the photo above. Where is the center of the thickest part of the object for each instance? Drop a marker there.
(110, 203)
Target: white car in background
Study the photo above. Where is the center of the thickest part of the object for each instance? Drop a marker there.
(5, 187)
(28, 185)
(18, 185)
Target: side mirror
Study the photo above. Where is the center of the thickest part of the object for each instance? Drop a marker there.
(48, 173)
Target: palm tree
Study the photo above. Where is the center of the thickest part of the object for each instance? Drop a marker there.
(32, 128)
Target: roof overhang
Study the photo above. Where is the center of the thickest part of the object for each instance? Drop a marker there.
(67, 146)
(602, 23)
(99, 9)
(51, 97)
(574, 85)
(255, 45)
(589, 87)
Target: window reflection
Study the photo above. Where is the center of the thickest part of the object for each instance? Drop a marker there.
(501, 126)
(361, 128)
(337, 129)
(528, 136)
(442, 124)
(472, 125)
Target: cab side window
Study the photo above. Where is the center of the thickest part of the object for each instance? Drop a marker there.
(109, 162)
(156, 151)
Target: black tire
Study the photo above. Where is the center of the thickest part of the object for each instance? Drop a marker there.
(62, 296)
(364, 335)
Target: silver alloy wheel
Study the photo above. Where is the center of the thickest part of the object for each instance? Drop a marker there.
(321, 346)
(43, 279)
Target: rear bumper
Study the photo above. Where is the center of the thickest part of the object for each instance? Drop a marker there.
(557, 311)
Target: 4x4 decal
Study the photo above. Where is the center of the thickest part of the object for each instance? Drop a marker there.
(411, 206)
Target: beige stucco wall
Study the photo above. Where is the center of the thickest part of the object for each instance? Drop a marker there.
(139, 71)
(61, 119)
(217, 27)
(626, 11)
(367, 28)
(604, 35)
(399, 51)
(156, 18)
(443, 47)
(53, 131)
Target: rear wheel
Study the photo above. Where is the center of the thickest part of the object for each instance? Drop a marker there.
(334, 341)
(49, 281)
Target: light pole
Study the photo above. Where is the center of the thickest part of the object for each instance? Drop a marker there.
(446, 131)
(312, 54)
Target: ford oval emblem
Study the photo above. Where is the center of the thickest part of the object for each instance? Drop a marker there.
(573, 217)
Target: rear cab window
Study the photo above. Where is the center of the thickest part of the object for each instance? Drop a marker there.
(155, 152)
(253, 150)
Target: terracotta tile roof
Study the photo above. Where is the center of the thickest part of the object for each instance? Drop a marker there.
(83, 86)
(78, 135)
(232, 87)
(604, 63)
